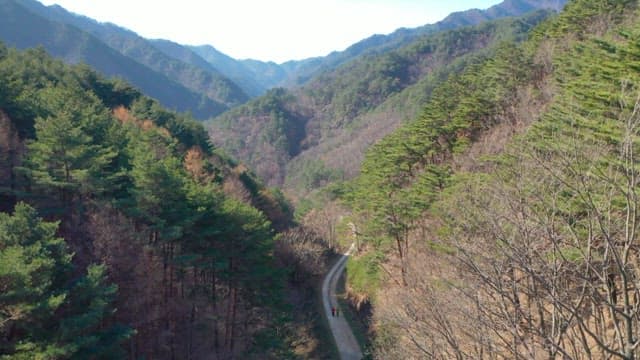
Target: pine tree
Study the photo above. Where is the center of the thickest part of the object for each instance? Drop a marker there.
(81, 328)
(66, 156)
(33, 266)
(44, 312)
(158, 182)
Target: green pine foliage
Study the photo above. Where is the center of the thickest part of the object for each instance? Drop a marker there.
(90, 303)
(158, 178)
(38, 289)
(72, 153)
(563, 186)
(574, 172)
(403, 174)
(96, 143)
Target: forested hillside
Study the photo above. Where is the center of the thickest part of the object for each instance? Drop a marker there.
(502, 222)
(114, 51)
(123, 233)
(258, 76)
(255, 79)
(200, 79)
(307, 137)
(487, 175)
(300, 72)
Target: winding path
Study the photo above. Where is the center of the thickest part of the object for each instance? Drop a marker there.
(345, 340)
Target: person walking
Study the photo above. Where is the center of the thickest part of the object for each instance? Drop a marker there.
(333, 311)
(338, 312)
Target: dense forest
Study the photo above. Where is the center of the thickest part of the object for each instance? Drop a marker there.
(124, 232)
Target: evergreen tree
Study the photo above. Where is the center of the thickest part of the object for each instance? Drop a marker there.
(158, 182)
(42, 316)
(33, 266)
(69, 153)
(81, 328)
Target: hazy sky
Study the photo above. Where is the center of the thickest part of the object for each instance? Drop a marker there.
(276, 30)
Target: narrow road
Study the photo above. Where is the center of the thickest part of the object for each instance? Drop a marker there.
(345, 340)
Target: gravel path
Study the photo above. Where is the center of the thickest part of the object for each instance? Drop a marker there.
(345, 340)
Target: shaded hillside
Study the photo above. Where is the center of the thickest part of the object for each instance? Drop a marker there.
(353, 106)
(254, 81)
(267, 132)
(204, 91)
(75, 46)
(501, 222)
(182, 53)
(207, 81)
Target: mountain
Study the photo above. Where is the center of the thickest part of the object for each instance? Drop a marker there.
(124, 234)
(255, 82)
(505, 8)
(199, 88)
(302, 71)
(298, 72)
(318, 132)
(488, 192)
(267, 75)
(500, 221)
(199, 78)
(208, 81)
(76, 46)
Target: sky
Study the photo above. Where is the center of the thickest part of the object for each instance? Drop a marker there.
(268, 30)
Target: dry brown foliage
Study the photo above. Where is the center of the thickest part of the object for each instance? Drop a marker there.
(194, 163)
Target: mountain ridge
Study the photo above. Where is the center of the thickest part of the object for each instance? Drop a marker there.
(197, 78)
(380, 42)
(209, 81)
(336, 104)
(74, 45)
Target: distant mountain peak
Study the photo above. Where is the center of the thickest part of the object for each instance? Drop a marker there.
(117, 51)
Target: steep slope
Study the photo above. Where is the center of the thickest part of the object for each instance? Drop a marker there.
(336, 116)
(198, 80)
(504, 9)
(254, 82)
(179, 229)
(182, 53)
(265, 133)
(76, 46)
(301, 72)
(504, 217)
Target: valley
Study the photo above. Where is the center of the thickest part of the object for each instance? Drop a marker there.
(473, 183)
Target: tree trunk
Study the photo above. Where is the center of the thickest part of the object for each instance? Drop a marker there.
(214, 304)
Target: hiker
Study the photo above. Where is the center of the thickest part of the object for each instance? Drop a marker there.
(337, 312)
(333, 311)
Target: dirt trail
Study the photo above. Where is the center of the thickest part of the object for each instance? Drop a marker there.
(345, 340)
